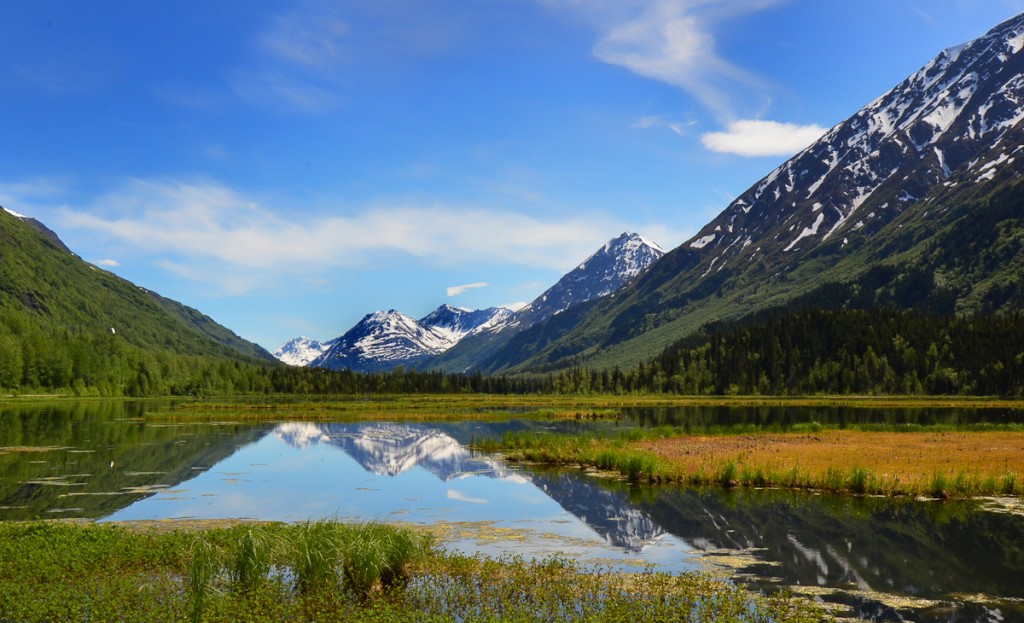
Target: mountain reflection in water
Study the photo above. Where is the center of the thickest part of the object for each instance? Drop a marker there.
(949, 556)
(392, 449)
(101, 460)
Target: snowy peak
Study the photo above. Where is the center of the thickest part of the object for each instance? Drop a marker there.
(41, 228)
(965, 106)
(618, 262)
(300, 351)
(386, 339)
(382, 340)
(460, 322)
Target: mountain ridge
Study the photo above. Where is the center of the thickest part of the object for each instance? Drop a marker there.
(384, 340)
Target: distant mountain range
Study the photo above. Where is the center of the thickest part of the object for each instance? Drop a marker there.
(384, 340)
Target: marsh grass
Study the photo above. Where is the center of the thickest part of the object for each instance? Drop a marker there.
(314, 555)
(909, 462)
(250, 563)
(203, 568)
(68, 572)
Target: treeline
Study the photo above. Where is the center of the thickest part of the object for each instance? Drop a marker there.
(796, 353)
(34, 360)
(881, 351)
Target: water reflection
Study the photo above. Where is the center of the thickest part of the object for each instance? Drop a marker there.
(392, 449)
(100, 460)
(89, 459)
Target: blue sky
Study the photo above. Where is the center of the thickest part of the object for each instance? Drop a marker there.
(289, 166)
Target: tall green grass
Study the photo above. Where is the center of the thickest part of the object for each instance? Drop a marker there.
(380, 574)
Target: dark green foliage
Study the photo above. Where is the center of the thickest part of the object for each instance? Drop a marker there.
(877, 351)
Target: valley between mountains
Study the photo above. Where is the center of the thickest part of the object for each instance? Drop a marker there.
(907, 219)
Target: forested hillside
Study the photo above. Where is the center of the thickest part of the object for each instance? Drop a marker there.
(65, 323)
(834, 352)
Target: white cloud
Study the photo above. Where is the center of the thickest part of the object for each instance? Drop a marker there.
(457, 290)
(751, 137)
(209, 233)
(107, 262)
(671, 41)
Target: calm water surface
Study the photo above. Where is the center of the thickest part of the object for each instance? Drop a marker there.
(887, 559)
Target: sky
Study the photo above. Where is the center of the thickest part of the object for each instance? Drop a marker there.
(288, 166)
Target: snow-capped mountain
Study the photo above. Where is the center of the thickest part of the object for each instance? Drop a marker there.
(873, 213)
(384, 340)
(609, 268)
(963, 108)
(300, 351)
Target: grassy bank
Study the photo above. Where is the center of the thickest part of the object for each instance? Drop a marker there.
(494, 406)
(937, 462)
(325, 571)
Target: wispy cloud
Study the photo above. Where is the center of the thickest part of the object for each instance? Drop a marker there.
(312, 37)
(654, 121)
(107, 262)
(673, 41)
(457, 290)
(762, 138)
(278, 89)
(207, 232)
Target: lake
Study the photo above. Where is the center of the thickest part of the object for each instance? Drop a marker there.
(885, 558)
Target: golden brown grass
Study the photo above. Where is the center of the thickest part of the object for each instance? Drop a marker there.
(899, 461)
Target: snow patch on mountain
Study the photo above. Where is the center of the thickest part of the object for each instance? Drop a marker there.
(919, 135)
(605, 272)
(300, 351)
(15, 214)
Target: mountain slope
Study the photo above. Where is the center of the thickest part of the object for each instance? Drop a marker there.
(875, 190)
(46, 290)
(603, 274)
(609, 268)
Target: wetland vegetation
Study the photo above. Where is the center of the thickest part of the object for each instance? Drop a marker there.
(325, 571)
(129, 459)
(937, 461)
